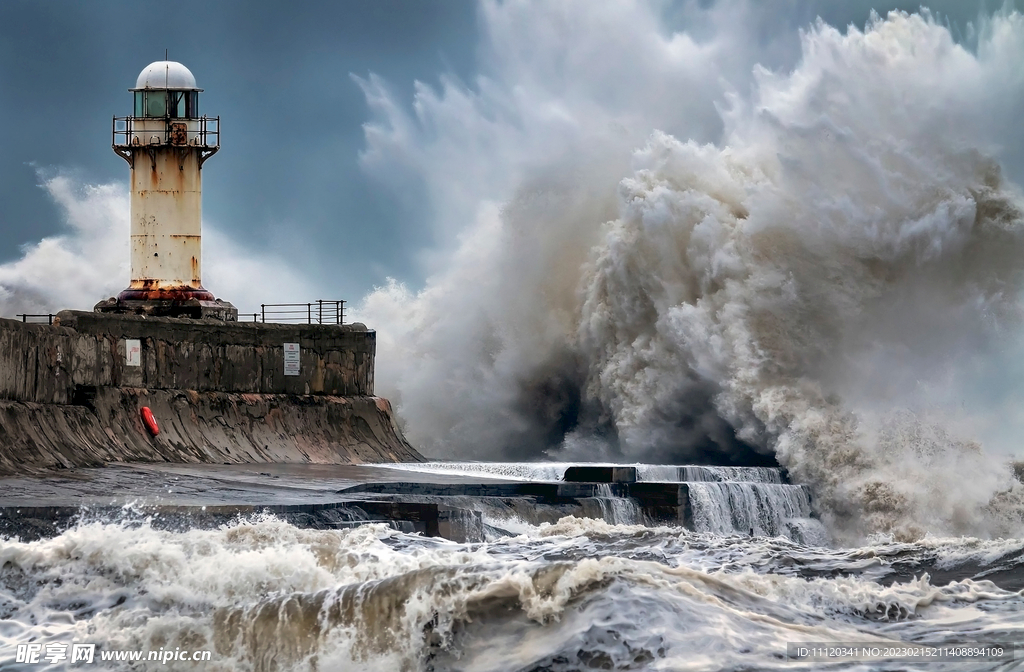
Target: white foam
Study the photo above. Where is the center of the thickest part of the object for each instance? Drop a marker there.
(264, 595)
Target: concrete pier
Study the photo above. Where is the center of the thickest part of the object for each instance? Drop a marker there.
(71, 392)
(180, 496)
(255, 418)
(323, 496)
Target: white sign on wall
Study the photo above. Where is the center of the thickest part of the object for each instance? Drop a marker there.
(133, 352)
(291, 359)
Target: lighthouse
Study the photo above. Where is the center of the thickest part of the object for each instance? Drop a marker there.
(166, 142)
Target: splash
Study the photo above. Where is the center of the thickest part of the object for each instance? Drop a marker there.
(847, 250)
(87, 263)
(831, 283)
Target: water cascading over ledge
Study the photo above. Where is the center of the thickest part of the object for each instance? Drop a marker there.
(747, 501)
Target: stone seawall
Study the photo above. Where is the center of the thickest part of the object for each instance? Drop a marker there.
(47, 364)
(70, 393)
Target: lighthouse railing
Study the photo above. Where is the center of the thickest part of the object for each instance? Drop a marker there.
(314, 312)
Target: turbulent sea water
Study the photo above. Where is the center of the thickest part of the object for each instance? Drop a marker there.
(580, 594)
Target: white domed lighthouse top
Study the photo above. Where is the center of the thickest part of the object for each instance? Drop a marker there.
(166, 75)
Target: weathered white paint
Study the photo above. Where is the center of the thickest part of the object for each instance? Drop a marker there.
(165, 154)
(148, 131)
(166, 217)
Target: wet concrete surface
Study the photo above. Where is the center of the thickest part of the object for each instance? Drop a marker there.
(206, 484)
(321, 496)
(183, 496)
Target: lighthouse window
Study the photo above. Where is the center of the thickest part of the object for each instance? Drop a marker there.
(192, 104)
(176, 103)
(140, 111)
(156, 103)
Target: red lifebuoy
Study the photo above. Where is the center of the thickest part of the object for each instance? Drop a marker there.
(149, 421)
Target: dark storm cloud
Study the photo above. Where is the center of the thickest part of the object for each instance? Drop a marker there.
(288, 179)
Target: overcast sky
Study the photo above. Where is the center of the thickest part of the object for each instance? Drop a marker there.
(288, 178)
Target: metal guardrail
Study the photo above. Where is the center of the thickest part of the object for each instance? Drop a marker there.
(320, 311)
(124, 133)
(126, 141)
(46, 318)
(317, 312)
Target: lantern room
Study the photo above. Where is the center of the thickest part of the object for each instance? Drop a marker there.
(166, 89)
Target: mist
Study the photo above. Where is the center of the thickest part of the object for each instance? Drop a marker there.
(816, 264)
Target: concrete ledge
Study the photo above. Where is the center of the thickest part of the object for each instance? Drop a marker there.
(590, 474)
(661, 503)
(553, 492)
(667, 503)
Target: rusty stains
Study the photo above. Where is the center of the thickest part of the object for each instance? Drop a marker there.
(179, 134)
(149, 290)
(166, 209)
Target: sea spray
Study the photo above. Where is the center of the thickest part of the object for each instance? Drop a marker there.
(833, 284)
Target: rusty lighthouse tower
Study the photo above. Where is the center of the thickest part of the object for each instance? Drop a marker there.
(166, 142)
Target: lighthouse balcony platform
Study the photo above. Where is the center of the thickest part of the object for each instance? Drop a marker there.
(128, 132)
